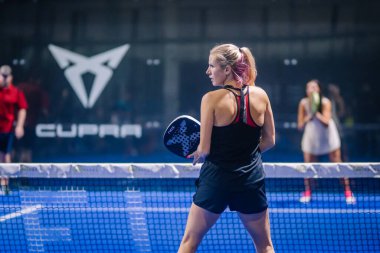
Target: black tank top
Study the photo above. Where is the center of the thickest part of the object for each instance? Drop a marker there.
(235, 157)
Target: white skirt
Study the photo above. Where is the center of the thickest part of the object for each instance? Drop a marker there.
(318, 139)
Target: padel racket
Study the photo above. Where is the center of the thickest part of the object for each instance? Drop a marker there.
(182, 136)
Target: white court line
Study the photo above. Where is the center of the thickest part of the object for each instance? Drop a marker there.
(323, 210)
(185, 209)
(21, 212)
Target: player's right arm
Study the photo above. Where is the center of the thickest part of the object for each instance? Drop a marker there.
(302, 118)
(207, 122)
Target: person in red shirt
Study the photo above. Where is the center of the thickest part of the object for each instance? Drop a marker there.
(12, 102)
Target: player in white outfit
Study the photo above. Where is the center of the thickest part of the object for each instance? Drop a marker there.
(320, 135)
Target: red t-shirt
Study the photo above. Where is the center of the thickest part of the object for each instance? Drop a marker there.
(11, 100)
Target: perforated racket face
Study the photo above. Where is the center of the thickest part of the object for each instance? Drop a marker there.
(182, 136)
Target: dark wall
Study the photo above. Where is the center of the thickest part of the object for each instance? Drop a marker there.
(293, 41)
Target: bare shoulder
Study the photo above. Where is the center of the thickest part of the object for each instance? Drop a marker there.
(325, 100)
(210, 96)
(303, 101)
(258, 92)
(214, 95)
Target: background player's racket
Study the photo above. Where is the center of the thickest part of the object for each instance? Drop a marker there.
(315, 102)
(182, 135)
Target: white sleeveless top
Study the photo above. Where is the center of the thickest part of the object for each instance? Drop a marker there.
(318, 139)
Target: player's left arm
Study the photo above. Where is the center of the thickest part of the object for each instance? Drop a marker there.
(207, 122)
(268, 134)
(22, 105)
(19, 130)
(325, 116)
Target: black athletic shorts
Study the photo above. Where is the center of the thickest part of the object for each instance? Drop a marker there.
(6, 141)
(216, 198)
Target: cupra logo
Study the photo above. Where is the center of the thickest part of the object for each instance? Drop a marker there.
(101, 65)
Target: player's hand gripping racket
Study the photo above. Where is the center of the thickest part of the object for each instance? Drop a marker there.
(182, 135)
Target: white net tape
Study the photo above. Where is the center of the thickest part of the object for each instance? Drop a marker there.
(182, 170)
